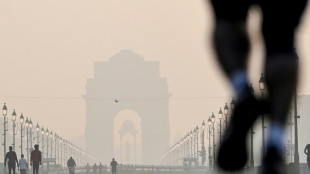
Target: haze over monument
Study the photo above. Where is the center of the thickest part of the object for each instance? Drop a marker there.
(127, 110)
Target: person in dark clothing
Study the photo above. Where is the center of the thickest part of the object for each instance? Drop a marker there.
(35, 159)
(113, 164)
(307, 152)
(231, 42)
(95, 168)
(71, 165)
(87, 168)
(100, 168)
(12, 157)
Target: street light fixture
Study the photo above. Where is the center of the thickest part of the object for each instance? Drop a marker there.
(4, 113)
(21, 121)
(262, 88)
(37, 130)
(252, 134)
(226, 114)
(220, 115)
(203, 149)
(30, 127)
(209, 149)
(14, 127)
(42, 139)
(233, 104)
(27, 126)
(213, 122)
(51, 138)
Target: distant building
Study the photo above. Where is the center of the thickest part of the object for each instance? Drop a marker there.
(127, 106)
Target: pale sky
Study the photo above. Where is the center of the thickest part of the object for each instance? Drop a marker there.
(48, 49)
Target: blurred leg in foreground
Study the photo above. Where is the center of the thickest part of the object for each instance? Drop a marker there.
(232, 46)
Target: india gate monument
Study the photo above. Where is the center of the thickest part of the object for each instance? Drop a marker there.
(127, 110)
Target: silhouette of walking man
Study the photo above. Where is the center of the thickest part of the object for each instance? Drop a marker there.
(11, 156)
(307, 152)
(113, 164)
(95, 168)
(100, 168)
(71, 165)
(35, 159)
(279, 21)
(87, 167)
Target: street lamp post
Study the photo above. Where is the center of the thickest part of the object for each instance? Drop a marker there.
(38, 132)
(197, 143)
(21, 120)
(226, 114)
(296, 154)
(213, 122)
(30, 127)
(4, 113)
(14, 128)
(220, 115)
(47, 134)
(251, 135)
(27, 132)
(51, 138)
(262, 87)
(42, 140)
(203, 149)
(209, 149)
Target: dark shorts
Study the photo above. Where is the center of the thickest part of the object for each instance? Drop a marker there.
(22, 171)
(280, 19)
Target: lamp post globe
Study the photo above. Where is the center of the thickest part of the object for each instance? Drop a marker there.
(37, 128)
(262, 82)
(233, 104)
(4, 110)
(213, 118)
(14, 115)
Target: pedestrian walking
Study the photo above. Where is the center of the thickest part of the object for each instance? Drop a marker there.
(87, 168)
(11, 159)
(23, 165)
(307, 152)
(231, 43)
(95, 168)
(100, 168)
(71, 165)
(35, 159)
(113, 164)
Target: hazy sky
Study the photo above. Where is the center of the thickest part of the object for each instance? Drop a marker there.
(48, 49)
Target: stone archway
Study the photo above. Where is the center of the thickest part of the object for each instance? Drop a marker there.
(127, 129)
(127, 82)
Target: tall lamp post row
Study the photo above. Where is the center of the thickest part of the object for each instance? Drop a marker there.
(183, 143)
(63, 148)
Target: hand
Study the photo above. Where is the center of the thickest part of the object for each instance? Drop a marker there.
(17, 165)
(40, 163)
(31, 164)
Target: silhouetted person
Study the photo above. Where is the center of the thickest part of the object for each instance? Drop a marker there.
(100, 168)
(71, 165)
(87, 168)
(113, 164)
(11, 156)
(35, 159)
(23, 165)
(280, 19)
(95, 168)
(307, 152)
